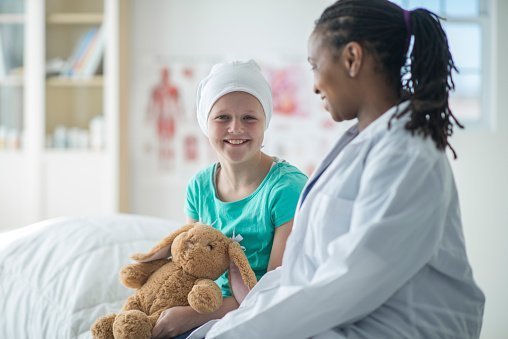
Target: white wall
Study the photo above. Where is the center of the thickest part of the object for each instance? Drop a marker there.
(257, 28)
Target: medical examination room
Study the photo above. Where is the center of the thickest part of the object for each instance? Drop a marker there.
(254, 169)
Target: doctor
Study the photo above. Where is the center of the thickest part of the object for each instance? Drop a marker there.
(377, 249)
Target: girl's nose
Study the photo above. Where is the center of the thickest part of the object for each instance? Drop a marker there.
(235, 127)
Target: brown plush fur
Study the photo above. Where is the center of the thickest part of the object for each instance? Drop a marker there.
(199, 255)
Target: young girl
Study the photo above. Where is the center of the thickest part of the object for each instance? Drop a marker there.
(377, 249)
(248, 195)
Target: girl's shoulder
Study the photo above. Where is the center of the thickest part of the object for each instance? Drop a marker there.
(285, 173)
(285, 167)
(203, 176)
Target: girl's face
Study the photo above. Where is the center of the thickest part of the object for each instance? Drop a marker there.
(236, 127)
(331, 79)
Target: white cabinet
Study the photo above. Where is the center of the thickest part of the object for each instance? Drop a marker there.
(59, 109)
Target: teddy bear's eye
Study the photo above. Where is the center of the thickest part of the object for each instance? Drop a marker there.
(210, 247)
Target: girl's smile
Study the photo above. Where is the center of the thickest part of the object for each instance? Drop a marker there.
(236, 142)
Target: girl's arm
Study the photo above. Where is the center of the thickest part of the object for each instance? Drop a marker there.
(180, 319)
(279, 244)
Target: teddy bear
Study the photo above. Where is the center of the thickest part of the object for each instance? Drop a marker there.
(180, 270)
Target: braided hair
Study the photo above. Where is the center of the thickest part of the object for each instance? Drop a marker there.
(424, 78)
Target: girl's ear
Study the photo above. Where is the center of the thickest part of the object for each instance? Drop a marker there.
(163, 249)
(352, 55)
(238, 258)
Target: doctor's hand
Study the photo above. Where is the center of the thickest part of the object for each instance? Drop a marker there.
(173, 321)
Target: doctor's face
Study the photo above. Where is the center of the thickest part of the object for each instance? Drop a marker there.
(331, 78)
(236, 127)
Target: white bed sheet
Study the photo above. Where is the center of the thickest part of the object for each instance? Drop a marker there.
(58, 276)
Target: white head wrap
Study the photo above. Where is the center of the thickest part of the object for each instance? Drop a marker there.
(236, 76)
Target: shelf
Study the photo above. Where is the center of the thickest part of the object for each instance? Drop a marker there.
(39, 93)
(12, 81)
(95, 81)
(12, 18)
(73, 152)
(75, 19)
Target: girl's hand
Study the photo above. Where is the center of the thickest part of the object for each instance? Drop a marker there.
(238, 288)
(180, 319)
(173, 321)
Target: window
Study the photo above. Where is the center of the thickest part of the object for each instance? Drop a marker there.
(468, 26)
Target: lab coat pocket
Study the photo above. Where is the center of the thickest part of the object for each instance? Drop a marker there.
(330, 218)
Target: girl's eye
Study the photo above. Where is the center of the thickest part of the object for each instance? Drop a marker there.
(249, 117)
(222, 117)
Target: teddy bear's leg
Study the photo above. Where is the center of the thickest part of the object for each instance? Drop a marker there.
(132, 324)
(102, 328)
(205, 296)
(135, 275)
(133, 303)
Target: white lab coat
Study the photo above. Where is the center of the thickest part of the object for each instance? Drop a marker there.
(376, 251)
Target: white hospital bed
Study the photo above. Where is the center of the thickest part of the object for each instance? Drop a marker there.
(58, 276)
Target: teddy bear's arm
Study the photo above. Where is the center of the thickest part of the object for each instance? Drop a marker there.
(135, 275)
(205, 296)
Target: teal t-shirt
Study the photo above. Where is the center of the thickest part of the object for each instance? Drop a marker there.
(254, 217)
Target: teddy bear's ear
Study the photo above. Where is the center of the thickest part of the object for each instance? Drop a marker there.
(163, 249)
(239, 259)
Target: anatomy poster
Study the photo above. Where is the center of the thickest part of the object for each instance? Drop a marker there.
(172, 140)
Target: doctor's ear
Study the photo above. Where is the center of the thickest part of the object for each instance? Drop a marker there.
(352, 58)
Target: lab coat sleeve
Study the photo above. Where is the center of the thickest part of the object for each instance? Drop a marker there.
(397, 221)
